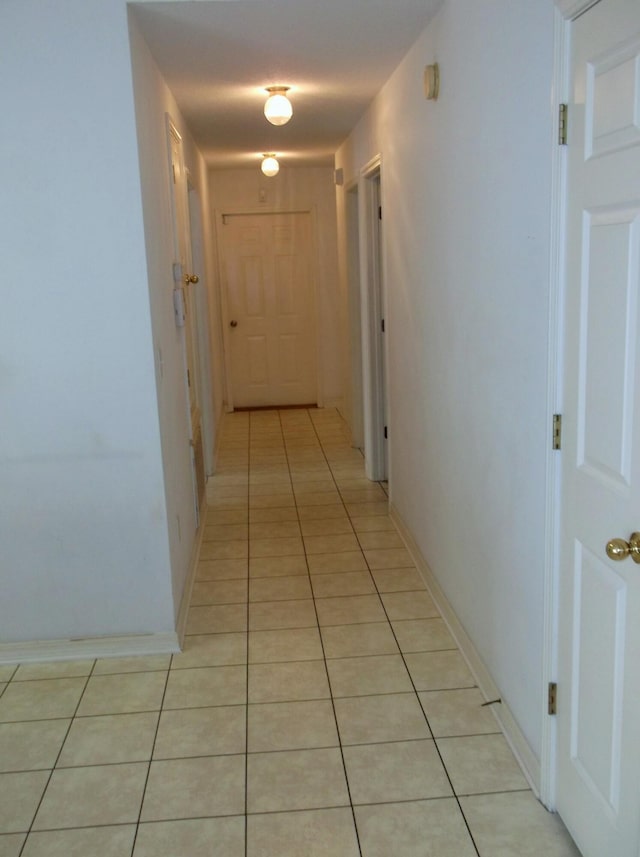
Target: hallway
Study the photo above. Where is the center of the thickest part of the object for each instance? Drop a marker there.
(319, 707)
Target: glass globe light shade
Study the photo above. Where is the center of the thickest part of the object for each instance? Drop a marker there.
(270, 166)
(277, 108)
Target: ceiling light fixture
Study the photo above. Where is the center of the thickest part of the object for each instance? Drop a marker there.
(277, 108)
(270, 166)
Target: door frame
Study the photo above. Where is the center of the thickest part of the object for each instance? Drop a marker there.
(372, 310)
(356, 405)
(566, 11)
(219, 216)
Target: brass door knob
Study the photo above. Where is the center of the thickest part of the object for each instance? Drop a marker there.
(618, 549)
(191, 278)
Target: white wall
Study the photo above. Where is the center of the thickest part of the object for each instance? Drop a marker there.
(83, 523)
(298, 188)
(466, 199)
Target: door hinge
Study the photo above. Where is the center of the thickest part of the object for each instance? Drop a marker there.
(557, 431)
(188, 378)
(562, 124)
(379, 212)
(382, 325)
(386, 433)
(552, 704)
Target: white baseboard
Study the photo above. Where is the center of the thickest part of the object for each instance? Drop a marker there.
(522, 751)
(89, 648)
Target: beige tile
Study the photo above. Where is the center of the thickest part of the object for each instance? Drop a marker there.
(288, 682)
(110, 738)
(7, 672)
(221, 518)
(380, 540)
(120, 694)
(55, 669)
(324, 483)
(222, 569)
(217, 619)
(31, 746)
(481, 763)
(391, 558)
(191, 788)
(198, 837)
(134, 664)
(236, 549)
(201, 732)
(516, 825)
(293, 644)
(375, 719)
(20, 794)
(113, 841)
(211, 650)
(11, 843)
(402, 770)
(330, 527)
(350, 610)
(275, 514)
(367, 510)
(88, 797)
(409, 605)
(226, 532)
(366, 676)
(271, 615)
(344, 641)
(373, 524)
(216, 503)
(431, 828)
(3, 685)
(457, 712)
(423, 635)
(41, 700)
(331, 544)
(295, 779)
(219, 592)
(291, 726)
(321, 513)
(229, 490)
(398, 580)
(319, 498)
(372, 494)
(312, 833)
(276, 547)
(279, 588)
(333, 563)
(439, 670)
(206, 686)
(276, 530)
(272, 501)
(342, 584)
(278, 566)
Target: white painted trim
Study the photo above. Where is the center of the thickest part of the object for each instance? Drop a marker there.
(572, 9)
(185, 601)
(337, 403)
(40, 651)
(506, 721)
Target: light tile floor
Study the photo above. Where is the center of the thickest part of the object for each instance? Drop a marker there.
(319, 707)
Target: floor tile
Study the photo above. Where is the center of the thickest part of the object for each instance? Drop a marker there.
(114, 841)
(344, 641)
(299, 644)
(236, 549)
(389, 558)
(331, 544)
(516, 825)
(219, 592)
(134, 664)
(457, 712)
(211, 650)
(41, 700)
(20, 794)
(360, 510)
(295, 779)
(329, 527)
(321, 513)
(333, 563)
(121, 694)
(274, 514)
(409, 605)
(398, 580)
(217, 619)
(191, 788)
(350, 610)
(220, 519)
(225, 532)
(11, 843)
(373, 524)
(206, 686)
(54, 669)
(403, 770)
(275, 530)
(431, 828)
(423, 635)
(279, 588)
(271, 615)
(366, 676)
(380, 539)
(377, 719)
(222, 569)
(88, 797)
(481, 763)
(276, 547)
(31, 746)
(439, 670)
(279, 566)
(108, 739)
(319, 498)
(201, 732)
(199, 837)
(314, 833)
(342, 584)
(7, 671)
(291, 726)
(272, 501)
(288, 682)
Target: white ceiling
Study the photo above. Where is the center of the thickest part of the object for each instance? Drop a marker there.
(218, 56)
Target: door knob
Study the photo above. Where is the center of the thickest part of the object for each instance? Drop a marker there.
(233, 323)
(191, 278)
(618, 549)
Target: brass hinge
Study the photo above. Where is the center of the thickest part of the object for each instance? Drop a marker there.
(557, 431)
(552, 703)
(562, 125)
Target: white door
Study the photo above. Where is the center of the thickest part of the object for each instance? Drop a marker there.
(598, 761)
(270, 309)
